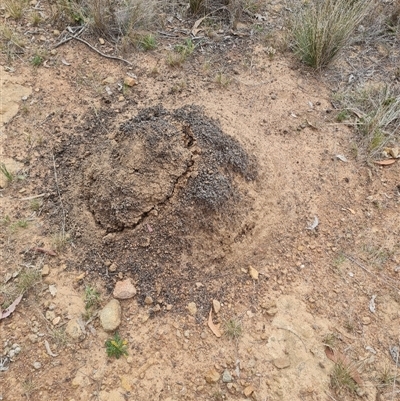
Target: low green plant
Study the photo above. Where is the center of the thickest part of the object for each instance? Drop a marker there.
(321, 29)
(343, 115)
(181, 52)
(7, 174)
(222, 79)
(116, 347)
(5, 221)
(60, 240)
(148, 42)
(233, 328)
(35, 205)
(22, 223)
(92, 297)
(28, 278)
(186, 48)
(37, 60)
(342, 378)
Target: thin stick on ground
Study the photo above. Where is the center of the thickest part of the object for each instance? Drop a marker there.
(291, 331)
(101, 53)
(76, 37)
(369, 272)
(395, 377)
(59, 196)
(68, 38)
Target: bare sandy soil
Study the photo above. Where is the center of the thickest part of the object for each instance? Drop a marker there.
(196, 191)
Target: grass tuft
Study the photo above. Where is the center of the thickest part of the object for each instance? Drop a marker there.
(321, 29)
(222, 79)
(37, 60)
(195, 6)
(375, 112)
(15, 8)
(7, 174)
(233, 328)
(148, 42)
(28, 278)
(92, 297)
(341, 378)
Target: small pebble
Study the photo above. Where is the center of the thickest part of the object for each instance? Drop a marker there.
(37, 365)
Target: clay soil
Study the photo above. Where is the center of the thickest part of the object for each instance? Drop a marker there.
(186, 184)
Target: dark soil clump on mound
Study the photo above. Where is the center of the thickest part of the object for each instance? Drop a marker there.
(160, 197)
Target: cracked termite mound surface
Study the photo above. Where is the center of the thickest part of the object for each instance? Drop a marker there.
(162, 196)
(156, 154)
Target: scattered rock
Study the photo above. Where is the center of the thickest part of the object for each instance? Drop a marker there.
(226, 376)
(216, 306)
(56, 32)
(212, 376)
(53, 290)
(37, 365)
(192, 308)
(50, 315)
(110, 315)
(108, 81)
(45, 270)
(272, 311)
(74, 331)
(125, 383)
(253, 273)
(101, 41)
(33, 338)
(56, 320)
(281, 363)
(148, 300)
(124, 289)
(248, 391)
(129, 81)
(366, 320)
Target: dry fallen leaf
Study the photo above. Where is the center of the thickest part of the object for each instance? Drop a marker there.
(386, 162)
(7, 312)
(214, 327)
(196, 25)
(48, 349)
(339, 358)
(80, 277)
(44, 250)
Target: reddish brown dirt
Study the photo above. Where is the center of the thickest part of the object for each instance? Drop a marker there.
(182, 185)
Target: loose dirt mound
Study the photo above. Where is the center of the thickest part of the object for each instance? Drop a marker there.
(163, 196)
